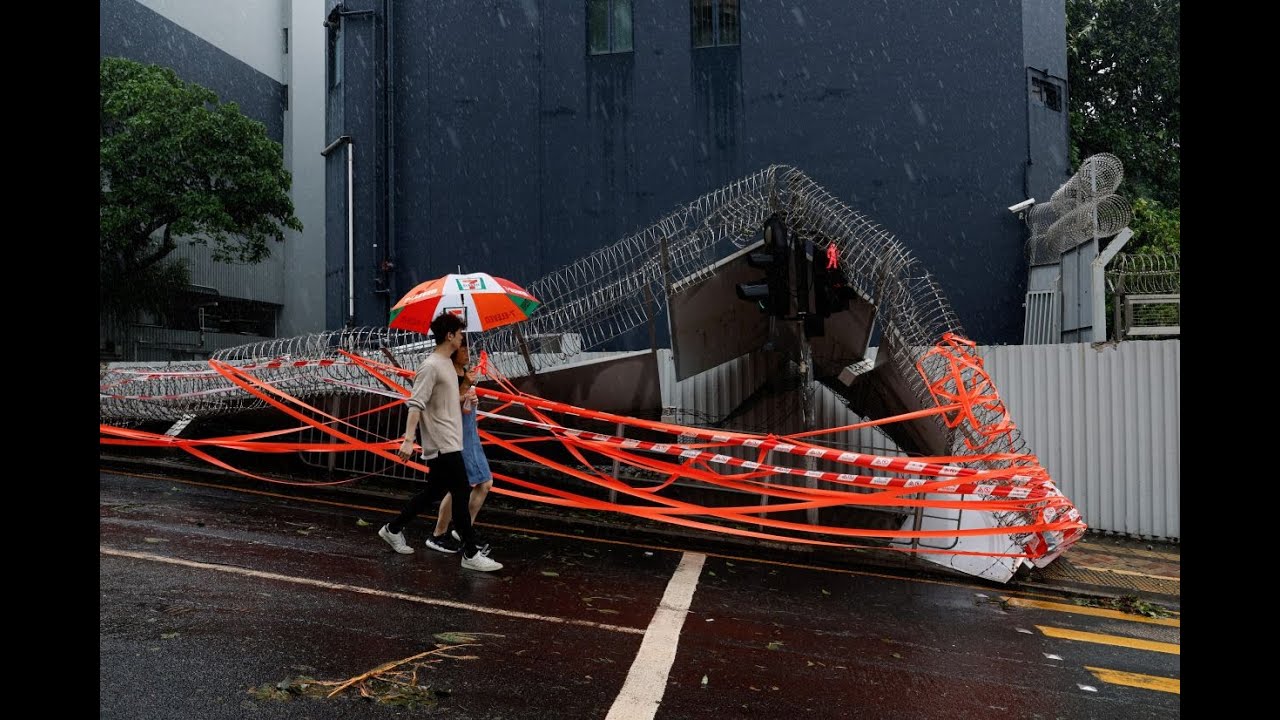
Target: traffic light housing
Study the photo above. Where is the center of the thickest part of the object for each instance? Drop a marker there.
(772, 293)
(831, 291)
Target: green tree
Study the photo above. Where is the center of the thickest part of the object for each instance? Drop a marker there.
(1125, 99)
(175, 163)
(1160, 226)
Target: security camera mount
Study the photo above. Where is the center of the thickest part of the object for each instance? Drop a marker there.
(1022, 206)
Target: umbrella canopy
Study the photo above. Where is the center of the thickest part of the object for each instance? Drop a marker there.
(482, 301)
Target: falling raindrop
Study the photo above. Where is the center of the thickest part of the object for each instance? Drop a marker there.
(919, 111)
(530, 11)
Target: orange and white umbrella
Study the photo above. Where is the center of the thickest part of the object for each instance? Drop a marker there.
(482, 301)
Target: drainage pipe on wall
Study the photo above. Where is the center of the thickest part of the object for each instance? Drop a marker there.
(388, 268)
(351, 228)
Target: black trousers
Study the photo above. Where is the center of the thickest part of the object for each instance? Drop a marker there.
(448, 475)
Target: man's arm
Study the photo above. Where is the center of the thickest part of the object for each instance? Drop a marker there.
(410, 430)
(423, 383)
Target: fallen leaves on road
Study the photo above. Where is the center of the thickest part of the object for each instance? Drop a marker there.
(1128, 604)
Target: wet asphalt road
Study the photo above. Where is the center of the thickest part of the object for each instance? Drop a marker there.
(207, 593)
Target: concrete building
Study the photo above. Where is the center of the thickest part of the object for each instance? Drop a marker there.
(514, 137)
(266, 56)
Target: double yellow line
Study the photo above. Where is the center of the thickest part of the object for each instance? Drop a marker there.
(1113, 677)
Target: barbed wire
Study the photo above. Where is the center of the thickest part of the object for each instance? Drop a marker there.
(1083, 208)
(624, 286)
(1145, 274)
(594, 300)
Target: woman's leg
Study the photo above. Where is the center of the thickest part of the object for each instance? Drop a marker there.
(478, 495)
(446, 513)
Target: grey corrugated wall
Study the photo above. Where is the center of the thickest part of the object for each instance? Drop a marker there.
(1104, 421)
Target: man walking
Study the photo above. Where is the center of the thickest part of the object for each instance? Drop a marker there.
(434, 409)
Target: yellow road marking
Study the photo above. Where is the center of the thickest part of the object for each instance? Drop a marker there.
(1147, 682)
(1171, 648)
(1128, 572)
(1086, 610)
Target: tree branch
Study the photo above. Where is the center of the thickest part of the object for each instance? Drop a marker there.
(167, 245)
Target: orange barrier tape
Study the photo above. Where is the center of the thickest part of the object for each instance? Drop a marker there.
(248, 383)
(1017, 487)
(599, 441)
(732, 515)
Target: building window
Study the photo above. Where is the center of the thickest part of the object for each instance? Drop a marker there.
(609, 26)
(1047, 93)
(715, 22)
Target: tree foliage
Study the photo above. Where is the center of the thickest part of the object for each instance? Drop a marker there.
(178, 165)
(1160, 226)
(1125, 100)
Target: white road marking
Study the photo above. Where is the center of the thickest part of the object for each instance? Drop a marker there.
(364, 590)
(647, 682)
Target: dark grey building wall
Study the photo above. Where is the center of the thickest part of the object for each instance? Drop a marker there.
(130, 30)
(913, 113)
(516, 152)
(1045, 48)
(1044, 35)
(355, 109)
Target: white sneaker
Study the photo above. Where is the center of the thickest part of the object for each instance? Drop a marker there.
(455, 534)
(481, 561)
(395, 540)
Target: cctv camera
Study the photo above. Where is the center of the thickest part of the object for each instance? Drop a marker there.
(1022, 205)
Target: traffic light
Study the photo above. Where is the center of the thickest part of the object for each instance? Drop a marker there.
(804, 255)
(772, 294)
(831, 291)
